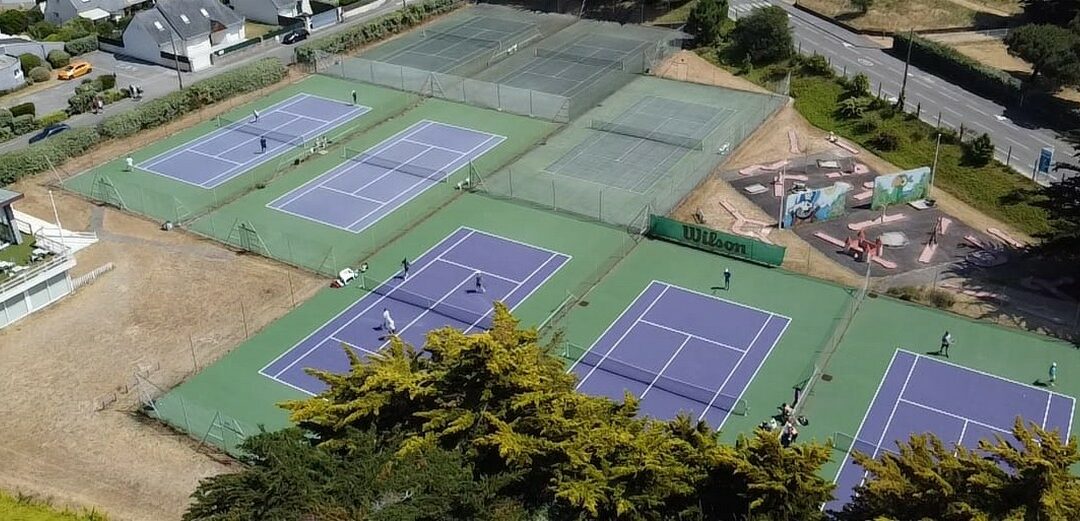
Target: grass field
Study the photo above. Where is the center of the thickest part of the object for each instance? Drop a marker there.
(29, 509)
(162, 198)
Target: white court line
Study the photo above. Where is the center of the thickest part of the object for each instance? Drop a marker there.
(204, 154)
(350, 194)
(735, 367)
(984, 373)
(346, 342)
(304, 116)
(697, 337)
(963, 432)
(953, 415)
(1046, 414)
(361, 312)
(621, 337)
(492, 275)
(873, 400)
(470, 233)
(447, 169)
(397, 168)
(611, 325)
(722, 299)
(432, 147)
(662, 369)
(776, 341)
(896, 404)
(335, 173)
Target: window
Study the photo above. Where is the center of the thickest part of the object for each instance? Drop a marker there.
(204, 13)
(185, 18)
(18, 72)
(158, 25)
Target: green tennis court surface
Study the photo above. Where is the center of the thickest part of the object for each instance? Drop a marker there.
(163, 198)
(249, 224)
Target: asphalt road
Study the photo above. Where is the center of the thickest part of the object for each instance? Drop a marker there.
(853, 53)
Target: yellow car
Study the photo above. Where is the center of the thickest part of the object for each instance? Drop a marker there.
(74, 70)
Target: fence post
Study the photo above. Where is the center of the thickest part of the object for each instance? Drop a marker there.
(939, 119)
(1008, 156)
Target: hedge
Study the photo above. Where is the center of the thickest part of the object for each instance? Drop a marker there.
(160, 111)
(81, 45)
(58, 58)
(28, 61)
(40, 74)
(5, 118)
(52, 118)
(954, 66)
(23, 108)
(81, 102)
(36, 159)
(23, 124)
(382, 27)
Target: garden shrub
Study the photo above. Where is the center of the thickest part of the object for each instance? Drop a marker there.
(23, 124)
(40, 74)
(28, 61)
(58, 58)
(55, 150)
(81, 45)
(23, 108)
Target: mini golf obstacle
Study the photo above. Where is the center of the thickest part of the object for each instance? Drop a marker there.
(861, 248)
(941, 227)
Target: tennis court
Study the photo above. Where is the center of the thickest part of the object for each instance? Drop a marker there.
(681, 351)
(639, 146)
(439, 291)
(218, 157)
(959, 405)
(373, 183)
(572, 68)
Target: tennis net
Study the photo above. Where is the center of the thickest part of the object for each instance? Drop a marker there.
(575, 58)
(844, 442)
(423, 172)
(706, 397)
(651, 135)
(482, 42)
(249, 127)
(480, 319)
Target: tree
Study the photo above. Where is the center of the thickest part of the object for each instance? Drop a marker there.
(979, 151)
(13, 21)
(858, 86)
(1052, 51)
(853, 108)
(764, 35)
(1023, 478)
(706, 21)
(1057, 12)
(863, 5)
(511, 410)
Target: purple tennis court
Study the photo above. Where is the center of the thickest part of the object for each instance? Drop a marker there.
(440, 290)
(681, 351)
(371, 184)
(235, 148)
(919, 394)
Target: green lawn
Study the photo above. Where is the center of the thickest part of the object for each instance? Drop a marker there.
(30, 509)
(678, 14)
(19, 254)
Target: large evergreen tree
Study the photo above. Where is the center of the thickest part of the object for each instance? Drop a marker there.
(706, 21)
(1052, 51)
(764, 36)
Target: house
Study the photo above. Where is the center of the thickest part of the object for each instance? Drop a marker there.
(11, 78)
(17, 45)
(269, 11)
(33, 268)
(60, 11)
(182, 33)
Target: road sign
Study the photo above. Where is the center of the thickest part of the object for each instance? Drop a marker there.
(1046, 157)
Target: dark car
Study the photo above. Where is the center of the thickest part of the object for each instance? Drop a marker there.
(298, 35)
(49, 132)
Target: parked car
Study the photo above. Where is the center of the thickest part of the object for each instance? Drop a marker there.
(49, 132)
(294, 36)
(74, 70)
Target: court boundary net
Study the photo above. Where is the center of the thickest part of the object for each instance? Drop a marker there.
(668, 138)
(487, 43)
(846, 443)
(606, 63)
(432, 305)
(821, 362)
(247, 127)
(430, 174)
(712, 399)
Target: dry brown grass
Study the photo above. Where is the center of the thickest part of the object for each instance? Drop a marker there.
(897, 15)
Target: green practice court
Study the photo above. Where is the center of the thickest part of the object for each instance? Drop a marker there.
(164, 198)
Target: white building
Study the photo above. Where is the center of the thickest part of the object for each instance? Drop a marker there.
(60, 11)
(182, 33)
(268, 11)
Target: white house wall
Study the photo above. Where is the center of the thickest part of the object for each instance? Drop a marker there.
(139, 44)
(262, 11)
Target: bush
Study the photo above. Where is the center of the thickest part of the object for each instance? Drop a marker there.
(81, 45)
(40, 74)
(58, 58)
(252, 77)
(23, 108)
(382, 27)
(55, 150)
(107, 81)
(6, 133)
(979, 151)
(14, 21)
(954, 66)
(816, 65)
(930, 296)
(41, 30)
(114, 95)
(23, 124)
(885, 141)
(28, 61)
(52, 118)
(5, 118)
(81, 102)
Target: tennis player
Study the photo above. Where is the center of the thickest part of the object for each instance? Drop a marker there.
(480, 283)
(130, 163)
(405, 268)
(262, 144)
(388, 322)
(1053, 374)
(255, 116)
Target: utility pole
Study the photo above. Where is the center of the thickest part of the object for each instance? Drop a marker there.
(907, 63)
(933, 169)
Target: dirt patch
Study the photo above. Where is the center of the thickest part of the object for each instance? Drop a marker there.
(688, 66)
(899, 15)
(173, 301)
